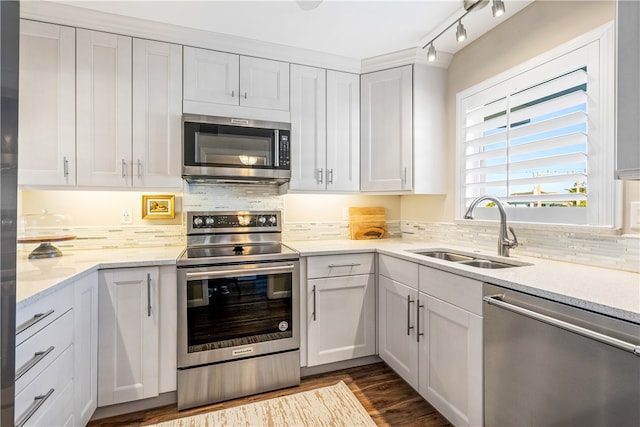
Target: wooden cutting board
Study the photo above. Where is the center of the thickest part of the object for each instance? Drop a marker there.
(367, 223)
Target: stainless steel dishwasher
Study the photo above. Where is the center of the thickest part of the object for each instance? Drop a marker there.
(549, 364)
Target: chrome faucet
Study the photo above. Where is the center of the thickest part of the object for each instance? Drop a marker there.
(504, 242)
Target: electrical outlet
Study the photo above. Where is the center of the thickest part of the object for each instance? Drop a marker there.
(125, 216)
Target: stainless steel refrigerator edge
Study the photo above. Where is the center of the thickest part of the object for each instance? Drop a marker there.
(9, 63)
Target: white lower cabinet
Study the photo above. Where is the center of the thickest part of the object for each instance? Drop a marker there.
(128, 335)
(430, 333)
(340, 308)
(85, 327)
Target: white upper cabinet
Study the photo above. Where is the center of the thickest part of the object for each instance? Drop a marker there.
(47, 134)
(343, 131)
(308, 128)
(211, 76)
(157, 114)
(325, 137)
(129, 111)
(403, 130)
(214, 82)
(387, 140)
(103, 109)
(628, 90)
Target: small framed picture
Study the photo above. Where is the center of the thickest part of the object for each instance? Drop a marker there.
(161, 206)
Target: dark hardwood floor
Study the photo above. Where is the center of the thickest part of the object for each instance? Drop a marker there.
(388, 398)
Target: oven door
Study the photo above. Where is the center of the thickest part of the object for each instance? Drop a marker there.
(229, 312)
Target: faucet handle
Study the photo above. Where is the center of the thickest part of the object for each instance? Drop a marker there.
(513, 242)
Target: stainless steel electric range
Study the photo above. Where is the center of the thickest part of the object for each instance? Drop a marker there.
(238, 308)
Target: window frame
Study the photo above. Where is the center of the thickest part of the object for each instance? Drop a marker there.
(604, 200)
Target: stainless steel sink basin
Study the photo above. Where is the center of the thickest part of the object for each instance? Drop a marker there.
(467, 259)
(486, 263)
(447, 256)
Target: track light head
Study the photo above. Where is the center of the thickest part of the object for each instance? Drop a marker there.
(497, 8)
(431, 53)
(461, 32)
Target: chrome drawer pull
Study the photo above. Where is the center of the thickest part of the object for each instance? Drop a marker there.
(148, 294)
(409, 302)
(418, 320)
(353, 264)
(588, 333)
(37, 357)
(38, 401)
(35, 319)
(314, 303)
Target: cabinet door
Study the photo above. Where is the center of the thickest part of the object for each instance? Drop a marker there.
(397, 343)
(308, 128)
(157, 113)
(343, 131)
(264, 83)
(211, 76)
(47, 128)
(386, 128)
(341, 318)
(128, 335)
(103, 109)
(451, 361)
(85, 347)
(628, 90)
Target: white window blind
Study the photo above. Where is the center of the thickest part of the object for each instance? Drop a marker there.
(529, 140)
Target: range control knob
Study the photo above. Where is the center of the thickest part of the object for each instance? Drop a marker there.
(262, 220)
(197, 221)
(209, 221)
(272, 220)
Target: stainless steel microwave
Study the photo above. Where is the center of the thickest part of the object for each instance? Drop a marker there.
(235, 150)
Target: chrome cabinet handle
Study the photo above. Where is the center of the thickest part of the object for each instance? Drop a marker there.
(148, 294)
(497, 301)
(244, 272)
(124, 168)
(404, 178)
(245, 95)
(65, 166)
(353, 264)
(35, 319)
(38, 401)
(418, 319)
(320, 174)
(37, 357)
(139, 169)
(233, 93)
(314, 303)
(409, 302)
(330, 176)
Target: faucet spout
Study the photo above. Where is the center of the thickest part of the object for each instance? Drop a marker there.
(504, 242)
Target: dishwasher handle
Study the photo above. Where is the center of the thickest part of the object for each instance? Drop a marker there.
(497, 301)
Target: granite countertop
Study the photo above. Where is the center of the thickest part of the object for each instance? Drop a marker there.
(37, 278)
(611, 292)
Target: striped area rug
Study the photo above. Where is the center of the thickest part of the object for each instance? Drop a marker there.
(334, 405)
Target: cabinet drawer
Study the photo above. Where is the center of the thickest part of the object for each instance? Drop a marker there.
(37, 352)
(40, 395)
(339, 265)
(457, 290)
(401, 271)
(59, 413)
(33, 317)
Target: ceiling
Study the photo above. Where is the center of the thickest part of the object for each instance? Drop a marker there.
(355, 29)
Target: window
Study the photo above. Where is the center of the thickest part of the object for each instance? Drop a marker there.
(540, 139)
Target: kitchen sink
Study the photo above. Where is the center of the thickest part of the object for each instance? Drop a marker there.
(467, 259)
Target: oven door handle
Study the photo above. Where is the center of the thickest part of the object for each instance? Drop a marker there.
(212, 274)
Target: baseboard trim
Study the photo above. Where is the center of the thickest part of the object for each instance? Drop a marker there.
(164, 399)
(336, 366)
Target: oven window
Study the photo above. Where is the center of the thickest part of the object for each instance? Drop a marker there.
(228, 146)
(227, 312)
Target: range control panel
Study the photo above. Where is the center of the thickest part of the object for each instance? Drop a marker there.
(213, 222)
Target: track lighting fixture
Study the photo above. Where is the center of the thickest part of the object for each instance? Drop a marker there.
(497, 8)
(461, 33)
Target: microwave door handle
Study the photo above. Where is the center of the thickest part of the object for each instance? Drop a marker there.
(212, 274)
(276, 148)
